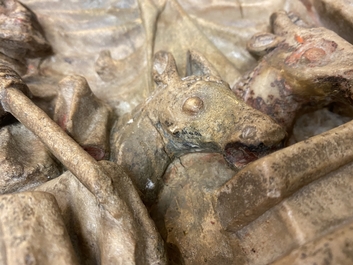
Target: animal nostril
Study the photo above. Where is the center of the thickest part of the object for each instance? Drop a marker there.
(193, 105)
(176, 134)
(249, 132)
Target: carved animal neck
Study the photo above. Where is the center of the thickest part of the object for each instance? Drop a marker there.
(139, 148)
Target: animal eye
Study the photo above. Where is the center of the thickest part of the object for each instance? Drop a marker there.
(192, 105)
(314, 54)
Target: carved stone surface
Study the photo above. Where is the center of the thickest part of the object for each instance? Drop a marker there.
(117, 232)
(198, 113)
(159, 71)
(293, 50)
(20, 169)
(185, 213)
(266, 182)
(75, 101)
(32, 231)
(311, 215)
(333, 248)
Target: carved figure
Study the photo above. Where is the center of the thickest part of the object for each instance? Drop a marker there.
(21, 37)
(303, 67)
(197, 113)
(264, 183)
(205, 213)
(99, 183)
(199, 136)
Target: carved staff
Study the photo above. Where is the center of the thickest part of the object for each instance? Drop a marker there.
(69, 153)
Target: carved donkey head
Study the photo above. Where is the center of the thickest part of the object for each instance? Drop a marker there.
(301, 66)
(199, 113)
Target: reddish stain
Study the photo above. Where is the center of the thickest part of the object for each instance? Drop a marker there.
(293, 58)
(312, 51)
(20, 21)
(314, 54)
(62, 122)
(349, 73)
(299, 39)
(96, 152)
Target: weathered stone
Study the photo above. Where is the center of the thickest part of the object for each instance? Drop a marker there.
(266, 182)
(314, 123)
(9, 78)
(21, 36)
(83, 116)
(305, 67)
(32, 231)
(100, 198)
(184, 213)
(333, 248)
(334, 15)
(117, 201)
(311, 213)
(221, 123)
(119, 231)
(20, 168)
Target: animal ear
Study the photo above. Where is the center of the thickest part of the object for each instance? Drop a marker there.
(198, 65)
(285, 24)
(164, 68)
(262, 43)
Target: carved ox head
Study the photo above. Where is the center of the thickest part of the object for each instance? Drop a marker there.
(199, 113)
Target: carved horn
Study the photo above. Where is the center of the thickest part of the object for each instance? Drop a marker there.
(164, 68)
(282, 24)
(198, 65)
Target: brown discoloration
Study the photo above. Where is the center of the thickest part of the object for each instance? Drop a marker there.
(313, 66)
(334, 248)
(215, 123)
(21, 37)
(267, 181)
(9, 78)
(314, 50)
(83, 116)
(106, 184)
(31, 228)
(184, 212)
(308, 216)
(314, 55)
(30, 42)
(20, 168)
(101, 222)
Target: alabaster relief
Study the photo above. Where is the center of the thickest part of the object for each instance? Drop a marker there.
(173, 132)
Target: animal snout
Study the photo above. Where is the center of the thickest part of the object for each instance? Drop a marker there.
(268, 133)
(273, 134)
